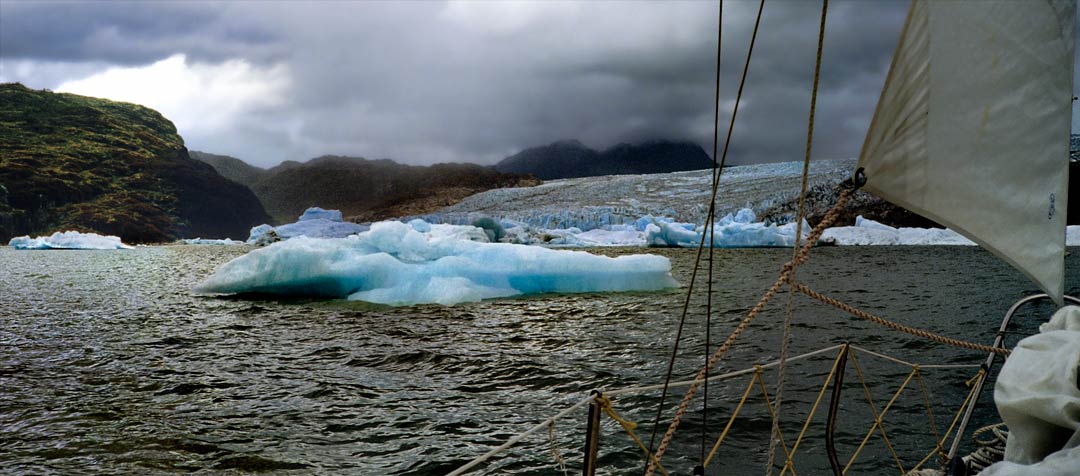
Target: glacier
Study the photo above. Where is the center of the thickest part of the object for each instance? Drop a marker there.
(69, 240)
(313, 223)
(606, 202)
(398, 263)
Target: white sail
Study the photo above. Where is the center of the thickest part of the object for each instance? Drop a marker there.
(972, 127)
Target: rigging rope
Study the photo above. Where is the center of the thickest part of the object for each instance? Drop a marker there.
(712, 218)
(803, 255)
(649, 467)
(896, 326)
(785, 343)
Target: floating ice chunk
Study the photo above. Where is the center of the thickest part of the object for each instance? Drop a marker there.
(200, 241)
(1072, 235)
(316, 213)
(670, 234)
(313, 223)
(69, 240)
(395, 264)
(738, 231)
(869, 232)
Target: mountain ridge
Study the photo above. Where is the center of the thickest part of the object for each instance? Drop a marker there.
(363, 189)
(572, 159)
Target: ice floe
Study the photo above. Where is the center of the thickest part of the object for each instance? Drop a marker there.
(313, 223)
(399, 264)
(68, 240)
(869, 232)
(200, 241)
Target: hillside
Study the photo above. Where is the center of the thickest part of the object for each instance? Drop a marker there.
(71, 162)
(570, 159)
(231, 168)
(364, 190)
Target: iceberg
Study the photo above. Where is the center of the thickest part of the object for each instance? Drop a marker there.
(396, 263)
(869, 232)
(313, 223)
(731, 231)
(200, 241)
(69, 240)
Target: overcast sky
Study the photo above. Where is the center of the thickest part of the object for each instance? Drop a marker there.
(435, 81)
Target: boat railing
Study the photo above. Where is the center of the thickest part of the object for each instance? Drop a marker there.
(603, 401)
(999, 342)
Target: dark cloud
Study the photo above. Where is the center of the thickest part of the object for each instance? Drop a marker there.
(129, 32)
(423, 82)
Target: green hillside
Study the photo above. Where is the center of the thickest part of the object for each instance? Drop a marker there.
(70, 162)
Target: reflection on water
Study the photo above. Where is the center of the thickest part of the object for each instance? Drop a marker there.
(109, 365)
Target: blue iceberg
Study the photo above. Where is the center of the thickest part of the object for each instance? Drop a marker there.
(732, 231)
(400, 264)
(68, 240)
(313, 223)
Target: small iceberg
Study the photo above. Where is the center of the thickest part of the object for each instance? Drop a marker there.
(732, 231)
(313, 223)
(869, 233)
(69, 240)
(200, 241)
(418, 263)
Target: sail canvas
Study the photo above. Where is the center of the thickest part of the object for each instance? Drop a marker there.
(972, 127)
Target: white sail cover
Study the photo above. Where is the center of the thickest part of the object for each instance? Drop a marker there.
(972, 127)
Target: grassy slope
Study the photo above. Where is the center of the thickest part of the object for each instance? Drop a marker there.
(74, 162)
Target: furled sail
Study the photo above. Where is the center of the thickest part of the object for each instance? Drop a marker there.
(972, 127)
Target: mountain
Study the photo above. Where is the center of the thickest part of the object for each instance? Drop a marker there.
(571, 159)
(231, 168)
(71, 162)
(364, 190)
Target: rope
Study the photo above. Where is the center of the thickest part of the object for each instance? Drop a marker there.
(959, 412)
(990, 451)
(785, 343)
(708, 219)
(802, 257)
(734, 413)
(899, 327)
(757, 380)
(712, 227)
(878, 417)
(555, 449)
(628, 426)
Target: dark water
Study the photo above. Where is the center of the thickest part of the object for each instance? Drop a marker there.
(108, 365)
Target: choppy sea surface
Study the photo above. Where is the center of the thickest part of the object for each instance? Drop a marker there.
(109, 365)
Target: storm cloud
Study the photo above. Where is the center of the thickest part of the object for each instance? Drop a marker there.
(425, 82)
